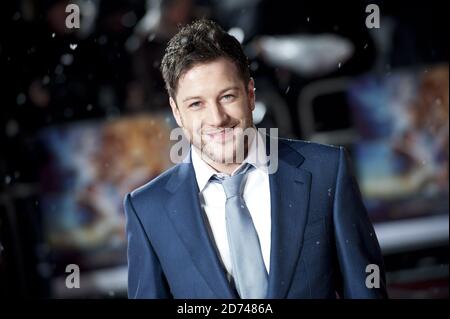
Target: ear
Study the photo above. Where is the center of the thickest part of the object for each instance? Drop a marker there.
(251, 93)
(175, 111)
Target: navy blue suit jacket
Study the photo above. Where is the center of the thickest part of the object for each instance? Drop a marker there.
(321, 240)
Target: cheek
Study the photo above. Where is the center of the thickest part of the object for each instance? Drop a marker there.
(246, 112)
(241, 111)
(249, 103)
(191, 122)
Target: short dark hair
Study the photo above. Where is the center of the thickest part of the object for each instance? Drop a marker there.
(199, 42)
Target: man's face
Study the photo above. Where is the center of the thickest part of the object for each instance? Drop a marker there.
(214, 106)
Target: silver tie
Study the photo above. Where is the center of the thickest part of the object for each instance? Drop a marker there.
(249, 272)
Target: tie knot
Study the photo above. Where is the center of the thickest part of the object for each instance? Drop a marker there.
(233, 185)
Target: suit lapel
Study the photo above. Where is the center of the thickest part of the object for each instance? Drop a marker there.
(289, 191)
(183, 208)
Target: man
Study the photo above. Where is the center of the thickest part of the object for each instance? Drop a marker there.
(221, 225)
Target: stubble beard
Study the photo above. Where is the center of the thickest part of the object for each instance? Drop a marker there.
(232, 151)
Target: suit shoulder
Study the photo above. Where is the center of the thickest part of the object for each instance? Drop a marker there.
(320, 159)
(154, 186)
(308, 148)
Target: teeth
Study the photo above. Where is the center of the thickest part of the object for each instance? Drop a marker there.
(218, 132)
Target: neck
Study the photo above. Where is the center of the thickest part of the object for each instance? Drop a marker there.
(222, 167)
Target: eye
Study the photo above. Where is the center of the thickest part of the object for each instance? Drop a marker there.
(228, 97)
(195, 105)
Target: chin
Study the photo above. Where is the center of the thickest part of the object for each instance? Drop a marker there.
(216, 155)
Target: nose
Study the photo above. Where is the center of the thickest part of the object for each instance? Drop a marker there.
(216, 115)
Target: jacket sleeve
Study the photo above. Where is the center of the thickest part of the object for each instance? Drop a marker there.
(356, 242)
(145, 275)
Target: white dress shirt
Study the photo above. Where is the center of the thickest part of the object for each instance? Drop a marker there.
(256, 195)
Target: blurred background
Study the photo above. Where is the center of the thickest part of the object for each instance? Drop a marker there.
(85, 119)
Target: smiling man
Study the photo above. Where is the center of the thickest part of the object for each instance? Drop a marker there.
(216, 131)
(221, 224)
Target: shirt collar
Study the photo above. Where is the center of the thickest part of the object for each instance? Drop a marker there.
(256, 157)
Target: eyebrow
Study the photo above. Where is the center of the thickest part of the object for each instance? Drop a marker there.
(221, 92)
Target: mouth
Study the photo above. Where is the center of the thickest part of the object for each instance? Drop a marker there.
(219, 135)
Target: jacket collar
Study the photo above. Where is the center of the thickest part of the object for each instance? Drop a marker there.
(289, 191)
